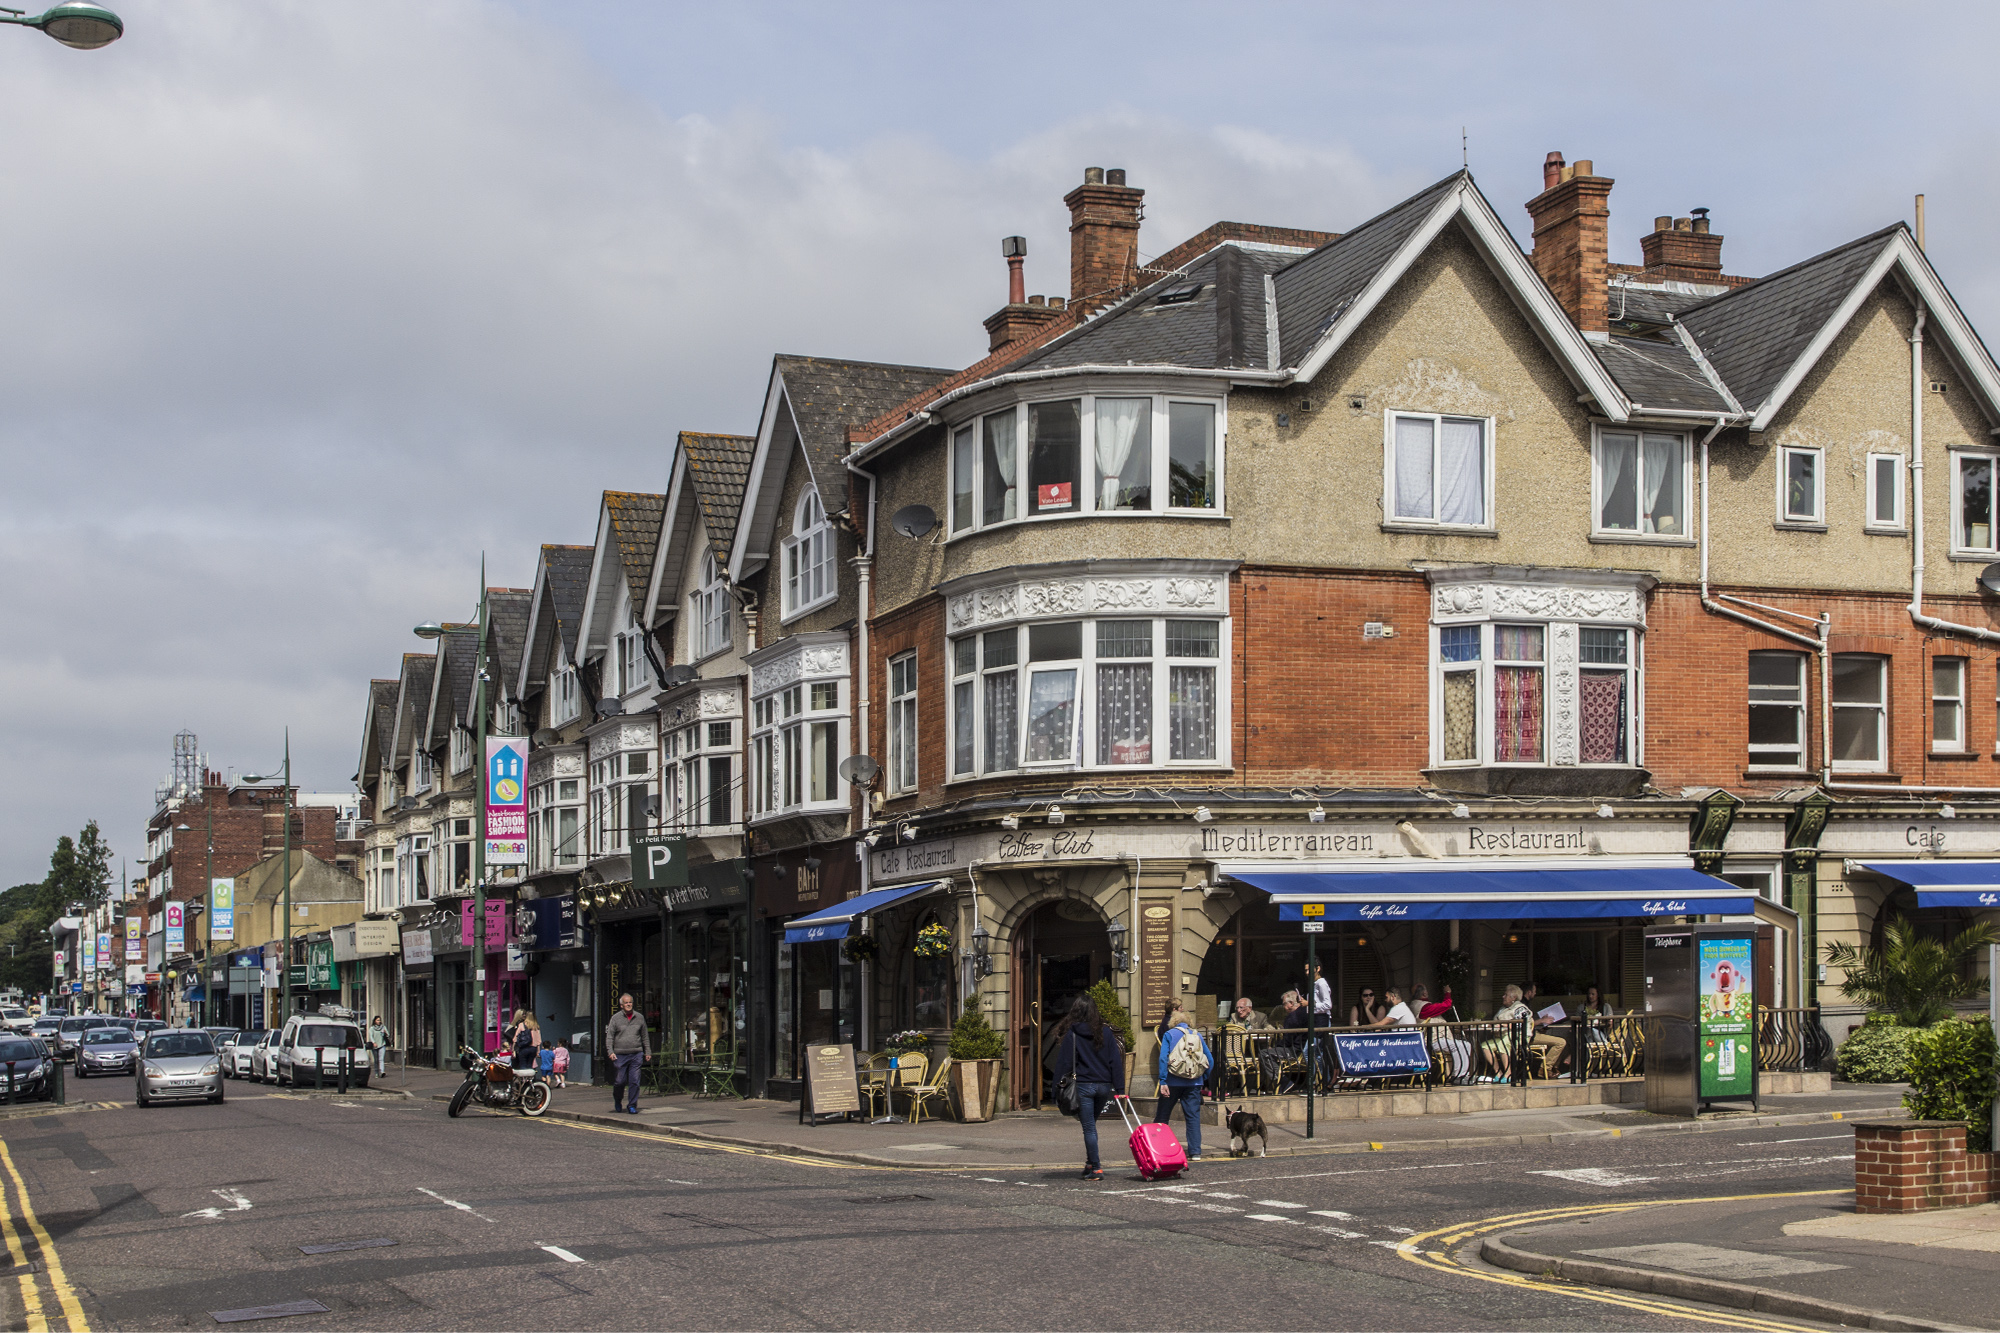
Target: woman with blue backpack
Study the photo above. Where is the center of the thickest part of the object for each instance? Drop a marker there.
(1184, 1066)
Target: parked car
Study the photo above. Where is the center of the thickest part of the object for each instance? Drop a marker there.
(264, 1056)
(106, 1050)
(16, 1019)
(309, 1037)
(31, 1060)
(178, 1064)
(236, 1048)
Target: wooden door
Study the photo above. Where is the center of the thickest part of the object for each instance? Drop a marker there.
(1026, 986)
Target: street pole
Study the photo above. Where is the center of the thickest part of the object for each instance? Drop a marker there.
(1312, 1004)
(208, 916)
(479, 812)
(285, 1010)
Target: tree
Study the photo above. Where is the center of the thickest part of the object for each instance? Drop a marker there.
(1912, 976)
(79, 871)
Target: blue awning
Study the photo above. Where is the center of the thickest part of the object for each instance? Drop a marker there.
(833, 923)
(1493, 891)
(1945, 883)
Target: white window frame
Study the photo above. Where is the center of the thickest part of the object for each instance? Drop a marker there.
(1786, 518)
(1881, 711)
(708, 610)
(1639, 434)
(693, 751)
(1390, 518)
(1954, 700)
(1961, 539)
(787, 724)
(565, 699)
(550, 846)
(1552, 666)
(1088, 501)
(903, 723)
(809, 555)
(633, 670)
(461, 749)
(1896, 522)
(1084, 747)
(423, 772)
(1799, 706)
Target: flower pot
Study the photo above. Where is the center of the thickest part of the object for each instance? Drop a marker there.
(975, 1083)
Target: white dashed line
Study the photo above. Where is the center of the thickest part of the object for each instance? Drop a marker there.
(453, 1203)
(1271, 1217)
(1332, 1213)
(562, 1254)
(1343, 1234)
(1279, 1203)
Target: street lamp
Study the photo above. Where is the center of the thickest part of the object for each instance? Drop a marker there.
(208, 913)
(84, 27)
(286, 980)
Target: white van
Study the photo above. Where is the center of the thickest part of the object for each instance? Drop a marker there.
(307, 1037)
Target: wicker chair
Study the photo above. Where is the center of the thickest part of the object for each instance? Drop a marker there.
(937, 1089)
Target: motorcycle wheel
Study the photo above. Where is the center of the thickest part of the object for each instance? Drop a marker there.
(459, 1099)
(535, 1098)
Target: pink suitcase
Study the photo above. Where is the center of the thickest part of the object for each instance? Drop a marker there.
(1154, 1147)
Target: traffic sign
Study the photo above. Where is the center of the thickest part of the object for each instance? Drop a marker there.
(1313, 927)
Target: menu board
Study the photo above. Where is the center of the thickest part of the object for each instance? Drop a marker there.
(1728, 1068)
(831, 1085)
(1156, 962)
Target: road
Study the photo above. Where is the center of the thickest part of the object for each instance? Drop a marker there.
(158, 1218)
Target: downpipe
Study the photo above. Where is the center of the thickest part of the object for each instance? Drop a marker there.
(1917, 615)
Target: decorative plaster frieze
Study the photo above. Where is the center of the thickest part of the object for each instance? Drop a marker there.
(569, 764)
(1057, 599)
(1563, 743)
(1551, 601)
(719, 703)
(812, 662)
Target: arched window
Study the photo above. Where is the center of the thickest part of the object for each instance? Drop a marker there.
(708, 625)
(808, 556)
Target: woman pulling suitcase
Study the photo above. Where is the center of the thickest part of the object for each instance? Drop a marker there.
(1091, 1056)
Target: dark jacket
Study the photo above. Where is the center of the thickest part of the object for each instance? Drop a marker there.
(1078, 1053)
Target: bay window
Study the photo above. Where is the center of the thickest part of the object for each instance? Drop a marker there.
(1439, 471)
(797, 747)
(1972, 507)
(1494, 684)
(1642, 484)
(700, 775)
(1088, 455)
(1605, 687)
(1860, 712)
(554, 811)
(621, 787)
(1778, 710)
(1086, 693)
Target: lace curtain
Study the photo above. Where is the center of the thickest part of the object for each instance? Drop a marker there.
(1051, 715)
(1191, 713)
(1003, 696)
(1414, 436)
(1125, 714)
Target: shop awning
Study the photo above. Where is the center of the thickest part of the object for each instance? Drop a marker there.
(1491, 890)
(1945, 883)
(833, 923)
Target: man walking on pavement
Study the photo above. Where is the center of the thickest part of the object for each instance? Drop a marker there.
(628, 1045)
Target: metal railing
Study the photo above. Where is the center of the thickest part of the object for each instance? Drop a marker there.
(1792, 1040)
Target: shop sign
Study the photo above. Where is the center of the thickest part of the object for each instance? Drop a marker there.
(1156, 956)
(506, 801)
(549, 923)
(659, 861)
(1728, 1068)
(416, 947)
(832, 1087)
(1905, 838)
(87, 946)
(135, 947)
(374, 938)
(295, 976)
(718, 884)
(1381, 1054)
(134, 975)
(222, 909)
(496, 924)
(322, 973)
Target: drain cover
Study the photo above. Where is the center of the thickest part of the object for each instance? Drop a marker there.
(267, 1312)
(346, 1245)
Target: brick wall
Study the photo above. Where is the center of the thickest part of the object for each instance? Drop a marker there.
(1913, 1166)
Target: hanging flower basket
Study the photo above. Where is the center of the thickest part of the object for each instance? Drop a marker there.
(860, 949)
(933, 941)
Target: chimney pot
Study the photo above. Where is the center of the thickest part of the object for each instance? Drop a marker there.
(1552, 170)
(1057, 303)
(1038, 300)
(1571, 241)
(1584, 167)
(1013, 247)
(1701, 226)
(1683, 224)
(1115, 176)
(1093, 175)
(1664, 222)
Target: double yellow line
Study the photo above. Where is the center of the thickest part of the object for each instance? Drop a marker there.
(1445, 1239)
(28, 1241)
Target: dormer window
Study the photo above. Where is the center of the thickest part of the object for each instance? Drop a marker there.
(708, 608)
(632, 673)
(1087, 455)
(461, 749)
(564, 697)
(420, 771)
(808, 557)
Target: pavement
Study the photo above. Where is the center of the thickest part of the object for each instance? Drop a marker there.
(1048, 1140)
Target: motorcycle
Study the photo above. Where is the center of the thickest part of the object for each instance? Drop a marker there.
(501, 1086)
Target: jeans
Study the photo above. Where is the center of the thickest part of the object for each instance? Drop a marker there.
(1188, 1098)
(624, 1074)
(381, 1062)
(1096, 1100)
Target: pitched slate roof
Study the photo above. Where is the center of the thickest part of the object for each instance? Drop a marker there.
(568, 582)
(418, 670)
(506, 630)
(1756, 333)
(378, 727)
(635, 527)
(718, 469)
(1223, 324)
(827, 397)
(458, 651)
(1661, 374)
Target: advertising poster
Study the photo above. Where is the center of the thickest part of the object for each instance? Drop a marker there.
(88, 947)
(496, 924)
(222, 908)
(135, 947)
(104, 950)
(506, 801)
(176, 929)
(1727, 1069)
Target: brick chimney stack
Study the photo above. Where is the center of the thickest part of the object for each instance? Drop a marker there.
(1683, 249)
(1572, 217)
(1104, 215)
(1022, 315)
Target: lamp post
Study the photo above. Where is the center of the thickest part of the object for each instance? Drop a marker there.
(285, 980)
(80, 26)
(208, 912)
(434, 630)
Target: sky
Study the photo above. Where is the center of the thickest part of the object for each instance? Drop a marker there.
(309, 305)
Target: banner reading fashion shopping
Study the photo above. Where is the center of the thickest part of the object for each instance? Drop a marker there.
(506, 801)
(222, 908)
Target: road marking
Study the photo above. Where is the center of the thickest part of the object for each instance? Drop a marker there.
(1441, 1260)
(65, 1294)
(562, 1254)
(1819, 1138)
(237, 1204)
(1333, 1213)
(454, 1203)
(1271, 1217)
(739, 1150)
(1596, 1175)
(1341, 1232)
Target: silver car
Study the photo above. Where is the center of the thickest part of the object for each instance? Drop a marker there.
(106, 1051)
(178, 1065)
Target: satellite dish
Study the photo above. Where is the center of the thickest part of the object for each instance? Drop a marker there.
(609, 708)
(914, 520)
(678, 675)
(859, 769)
(546, 736)
(1989, 579)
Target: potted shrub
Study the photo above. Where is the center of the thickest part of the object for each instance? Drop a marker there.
(975, 1063)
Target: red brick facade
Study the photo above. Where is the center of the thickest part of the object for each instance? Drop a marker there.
(1914, 1166)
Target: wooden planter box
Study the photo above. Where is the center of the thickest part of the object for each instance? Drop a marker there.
(975, 1084)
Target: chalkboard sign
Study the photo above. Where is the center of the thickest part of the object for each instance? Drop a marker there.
(831, 1085)
(1381, 1054)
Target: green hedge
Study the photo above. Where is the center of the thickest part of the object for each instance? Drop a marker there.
(1876, 1053)
(1951, 1069)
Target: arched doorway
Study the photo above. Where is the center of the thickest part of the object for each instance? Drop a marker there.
(1061, 949)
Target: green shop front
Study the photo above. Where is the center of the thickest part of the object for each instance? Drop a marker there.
(315, 980)
(707, 1044)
